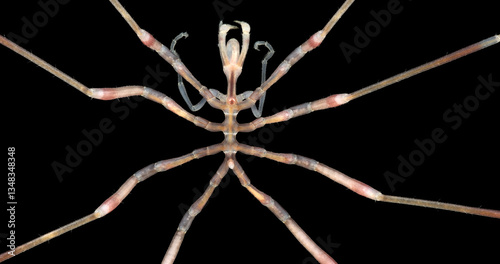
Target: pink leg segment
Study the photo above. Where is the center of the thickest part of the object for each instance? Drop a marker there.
(360, 187)
(319, 254)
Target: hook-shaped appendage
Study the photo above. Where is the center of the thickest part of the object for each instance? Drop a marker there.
(257, 111)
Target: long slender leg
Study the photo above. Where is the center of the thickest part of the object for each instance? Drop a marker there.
(360, 187)
(313, 42)
(319, 254)
(43, 64)
(430, 65)
(112, 202)
(114, 93)
(340, 99)
(193, 211)
(174, 60)
(158, 97)
(124, 91)
(296, 111)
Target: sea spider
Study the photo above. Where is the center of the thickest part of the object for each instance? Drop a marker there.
(421, 239)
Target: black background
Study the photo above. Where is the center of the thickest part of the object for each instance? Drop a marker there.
(91, 42)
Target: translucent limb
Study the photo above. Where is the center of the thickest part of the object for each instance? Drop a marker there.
(243, 96)
(218, 95)
(180, 83)
(257, 112)
(174, 60)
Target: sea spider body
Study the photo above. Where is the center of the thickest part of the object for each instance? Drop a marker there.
(286, 100)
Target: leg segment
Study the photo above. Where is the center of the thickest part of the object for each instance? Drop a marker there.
(287, 114)
(313, 42)
(360, 187)
(194, 210)
(430, 65)
(339, 99)
(114, 93)
(319, 254)
(155, 96)
(43, 64)
(174, 60)
(112, 202)
(35, 242)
